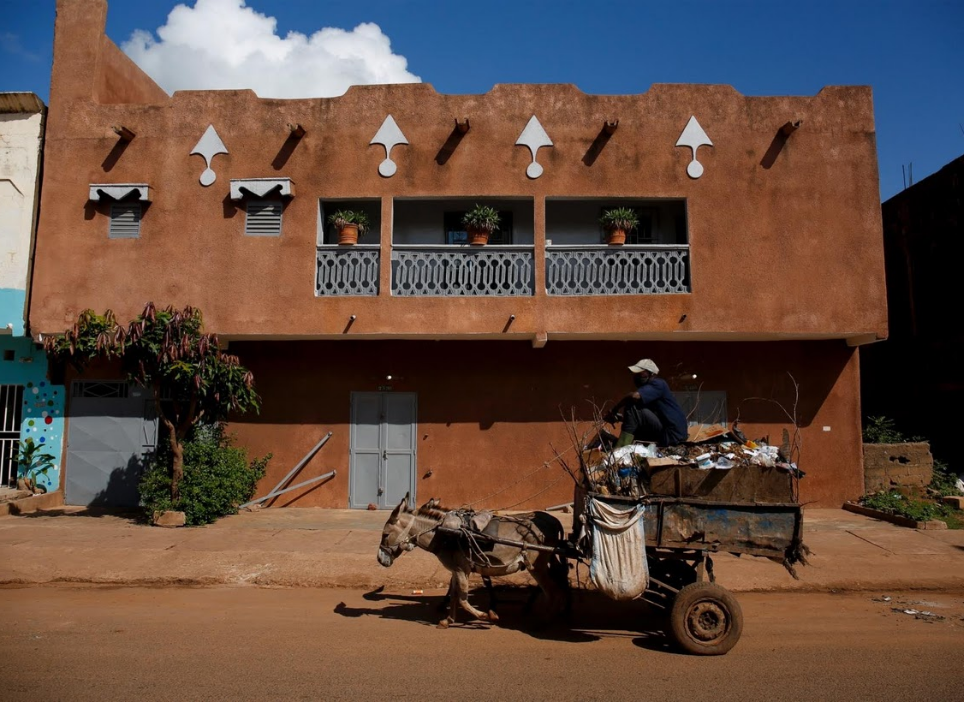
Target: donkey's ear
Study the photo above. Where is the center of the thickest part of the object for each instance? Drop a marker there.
(398, 509)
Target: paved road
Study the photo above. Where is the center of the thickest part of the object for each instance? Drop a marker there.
(109, 643)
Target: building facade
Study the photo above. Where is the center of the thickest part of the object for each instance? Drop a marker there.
(452, 370)
(916, 374)
(31, 407)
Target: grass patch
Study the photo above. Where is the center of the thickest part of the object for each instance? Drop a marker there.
(919, 509)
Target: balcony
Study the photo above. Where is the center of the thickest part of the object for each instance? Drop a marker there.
(429, 256)
(450, 271)
(626, 270)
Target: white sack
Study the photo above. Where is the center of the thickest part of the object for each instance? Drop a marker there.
(618, 567)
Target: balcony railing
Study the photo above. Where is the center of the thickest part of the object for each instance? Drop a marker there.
(456, 271)
(347, 270)
(627, 270)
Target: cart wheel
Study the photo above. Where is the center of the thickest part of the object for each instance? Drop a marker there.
(706, 620)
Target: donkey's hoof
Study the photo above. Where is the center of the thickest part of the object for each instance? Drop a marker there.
(444, 624)
(493, 617)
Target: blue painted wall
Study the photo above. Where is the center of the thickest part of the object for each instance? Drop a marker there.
(42, 420)
(12, 305)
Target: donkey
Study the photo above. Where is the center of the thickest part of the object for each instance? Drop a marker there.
(462, 555)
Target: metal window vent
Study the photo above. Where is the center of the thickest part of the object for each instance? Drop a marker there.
(263, 218)
(125, 220)
(99, 388)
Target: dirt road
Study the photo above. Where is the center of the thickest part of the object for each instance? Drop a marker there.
(102, 643)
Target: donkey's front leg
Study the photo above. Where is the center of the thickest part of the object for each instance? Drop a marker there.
(453, 597)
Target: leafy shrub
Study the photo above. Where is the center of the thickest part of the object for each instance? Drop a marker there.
(881, 430)
(944, 482)
(33, 462)
(483, 218)
(894, 503)
(343, 217)
(624, 218)
(217, 477)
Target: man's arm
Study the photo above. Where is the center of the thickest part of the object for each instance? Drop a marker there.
(619, 406)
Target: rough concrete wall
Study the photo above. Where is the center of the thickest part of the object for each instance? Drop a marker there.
(896, 465)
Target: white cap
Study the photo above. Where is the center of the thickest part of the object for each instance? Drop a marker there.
(644, 364)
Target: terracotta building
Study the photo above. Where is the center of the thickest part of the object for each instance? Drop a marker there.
(445, 368)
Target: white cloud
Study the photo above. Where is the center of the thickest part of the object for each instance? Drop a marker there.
(223, 44)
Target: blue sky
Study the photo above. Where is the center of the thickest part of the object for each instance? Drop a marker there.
(910, 53)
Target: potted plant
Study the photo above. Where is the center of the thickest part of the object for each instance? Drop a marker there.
(617, 222)
(350, 225)
(480, 222)
(32, 462)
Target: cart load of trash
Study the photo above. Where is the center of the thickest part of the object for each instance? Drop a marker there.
(716, 463)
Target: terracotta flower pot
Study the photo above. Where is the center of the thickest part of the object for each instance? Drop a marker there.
(616, 237)
(348, 235)
(478, 237)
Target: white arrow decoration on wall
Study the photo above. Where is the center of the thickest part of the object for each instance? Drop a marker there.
(389, 136)
(534, 136)
(694, 137)
(209, 146)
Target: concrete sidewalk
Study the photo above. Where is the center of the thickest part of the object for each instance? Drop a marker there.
(336, 548)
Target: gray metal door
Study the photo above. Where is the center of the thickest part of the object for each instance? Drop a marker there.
(383, 431)
(112, 432)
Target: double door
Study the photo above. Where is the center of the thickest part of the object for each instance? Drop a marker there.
(383, 443)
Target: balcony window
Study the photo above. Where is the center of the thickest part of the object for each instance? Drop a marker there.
(573, 221)
(328, 235)
(438, 222)
(654, 260)
(430, 256)
(348, 270)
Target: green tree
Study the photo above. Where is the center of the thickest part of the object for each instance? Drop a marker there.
(167, 351)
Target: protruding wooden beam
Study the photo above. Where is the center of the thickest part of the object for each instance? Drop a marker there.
(297, 131)
(790, 127)
(123, 132)
(462, 125)
(610, 126)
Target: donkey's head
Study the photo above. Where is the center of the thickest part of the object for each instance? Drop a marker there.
(396, 536)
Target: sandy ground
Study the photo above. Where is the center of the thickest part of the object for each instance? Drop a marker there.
(121, 643)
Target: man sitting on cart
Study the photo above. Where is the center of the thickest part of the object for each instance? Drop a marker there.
(650, 413)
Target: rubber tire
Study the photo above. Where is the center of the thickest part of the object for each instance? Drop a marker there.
(706, 603)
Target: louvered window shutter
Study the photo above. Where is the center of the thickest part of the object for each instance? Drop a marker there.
(125, 220)
(263, 218)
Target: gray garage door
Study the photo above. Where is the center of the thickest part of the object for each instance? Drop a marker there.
(112, 431)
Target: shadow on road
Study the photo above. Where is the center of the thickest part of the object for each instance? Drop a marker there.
(132, 515)
(593, 616)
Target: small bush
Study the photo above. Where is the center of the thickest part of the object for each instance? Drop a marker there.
(894, 503)
(944, 482)
(217, 477)
(881, 430)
